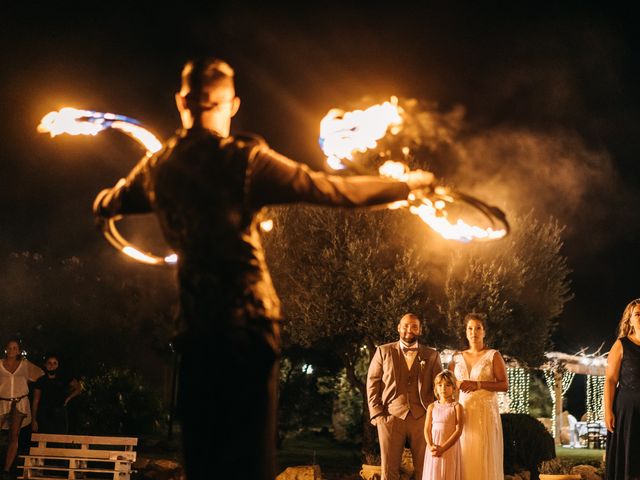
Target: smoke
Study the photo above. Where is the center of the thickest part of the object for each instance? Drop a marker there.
(555, 174)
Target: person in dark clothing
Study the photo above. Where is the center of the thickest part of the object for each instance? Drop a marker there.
(51, 395)
(207, 188)
(622, 398)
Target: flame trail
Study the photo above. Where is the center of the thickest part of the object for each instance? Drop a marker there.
(73, 121)
(344, 133)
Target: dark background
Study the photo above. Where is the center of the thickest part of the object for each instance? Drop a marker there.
(550, 93)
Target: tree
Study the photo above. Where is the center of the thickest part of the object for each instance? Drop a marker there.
(93, 317)
(344, 284)
(522, 285)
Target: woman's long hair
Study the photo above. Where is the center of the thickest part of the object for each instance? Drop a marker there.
(625, 327)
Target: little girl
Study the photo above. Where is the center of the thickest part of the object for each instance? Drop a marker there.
(443, 426)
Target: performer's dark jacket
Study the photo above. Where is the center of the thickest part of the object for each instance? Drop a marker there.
(206, 191)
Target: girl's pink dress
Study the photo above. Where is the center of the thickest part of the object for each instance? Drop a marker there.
(449, 465)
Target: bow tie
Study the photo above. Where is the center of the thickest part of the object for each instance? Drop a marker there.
(407, 350)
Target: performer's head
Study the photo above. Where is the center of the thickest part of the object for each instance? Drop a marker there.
(443, 381)
(475, 325)
(630, 321)
(207, 97)
(409, 328)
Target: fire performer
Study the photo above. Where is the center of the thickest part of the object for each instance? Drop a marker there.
(207, 188)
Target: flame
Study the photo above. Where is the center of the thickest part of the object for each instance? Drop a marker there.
(142, 135)
(73, 121)
(397, 170)
(343, 133)
(67, 120)
(266, 225)
(434, 215)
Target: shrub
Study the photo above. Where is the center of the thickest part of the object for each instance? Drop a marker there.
(527, 443)
(116, 401)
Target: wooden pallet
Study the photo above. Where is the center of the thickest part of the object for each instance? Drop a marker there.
(56, 457)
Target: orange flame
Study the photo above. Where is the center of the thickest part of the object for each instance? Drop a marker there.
(343, 133)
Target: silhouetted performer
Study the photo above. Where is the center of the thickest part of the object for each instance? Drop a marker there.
(206, 188)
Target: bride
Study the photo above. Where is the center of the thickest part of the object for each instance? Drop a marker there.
(481, 372)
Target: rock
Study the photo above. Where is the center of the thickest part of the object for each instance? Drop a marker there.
(526, 475)
(162, 464)
(587, 472)
(306, 472)
(406, 465)
(159, 469)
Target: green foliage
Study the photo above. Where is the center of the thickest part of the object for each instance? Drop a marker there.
(522, 285)
(305, 402)
(539, 398)
(340, 276)
(117, 402)
(527, 443)
(88, 313)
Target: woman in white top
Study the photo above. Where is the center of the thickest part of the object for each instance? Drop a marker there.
(481, 372)
(15, 373)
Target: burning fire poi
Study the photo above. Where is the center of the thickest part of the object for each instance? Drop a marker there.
(344, 133)
(86, 122)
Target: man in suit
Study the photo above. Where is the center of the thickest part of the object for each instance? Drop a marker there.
(399, 390)
(207, 188)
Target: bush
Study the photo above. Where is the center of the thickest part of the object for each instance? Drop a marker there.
(116, 402)
(527, 443)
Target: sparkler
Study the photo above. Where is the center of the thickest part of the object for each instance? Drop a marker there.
(72, 121)
(342, 134)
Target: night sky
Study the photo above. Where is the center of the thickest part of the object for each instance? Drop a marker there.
(550, 94)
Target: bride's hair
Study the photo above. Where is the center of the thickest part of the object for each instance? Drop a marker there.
(477, 316)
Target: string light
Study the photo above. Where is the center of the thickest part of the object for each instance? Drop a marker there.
(517, 398)
(595, 395)
(567, 378)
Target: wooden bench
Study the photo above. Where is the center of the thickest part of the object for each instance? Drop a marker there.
(87, 457)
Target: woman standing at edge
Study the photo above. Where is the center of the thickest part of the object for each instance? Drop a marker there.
(15, 373)
(481, 372)
(622, 398)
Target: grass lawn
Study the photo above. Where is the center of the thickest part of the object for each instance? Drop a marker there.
(337, 460)
(577, 455)
(341, 461)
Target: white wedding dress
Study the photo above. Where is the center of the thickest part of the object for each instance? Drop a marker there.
(481, 440)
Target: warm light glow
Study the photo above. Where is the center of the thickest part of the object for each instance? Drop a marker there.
(142, 135)
(73, 121)
(139, 256)
(266, 225)
(460, 230)
(342, 133)
(397, 170)
(68, 121)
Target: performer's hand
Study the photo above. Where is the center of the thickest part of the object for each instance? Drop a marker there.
(436, 451)
(419, 179)
(609, 420)
(34, 425)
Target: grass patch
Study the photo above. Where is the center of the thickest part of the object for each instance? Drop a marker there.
(311, 448)
(580, 455)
